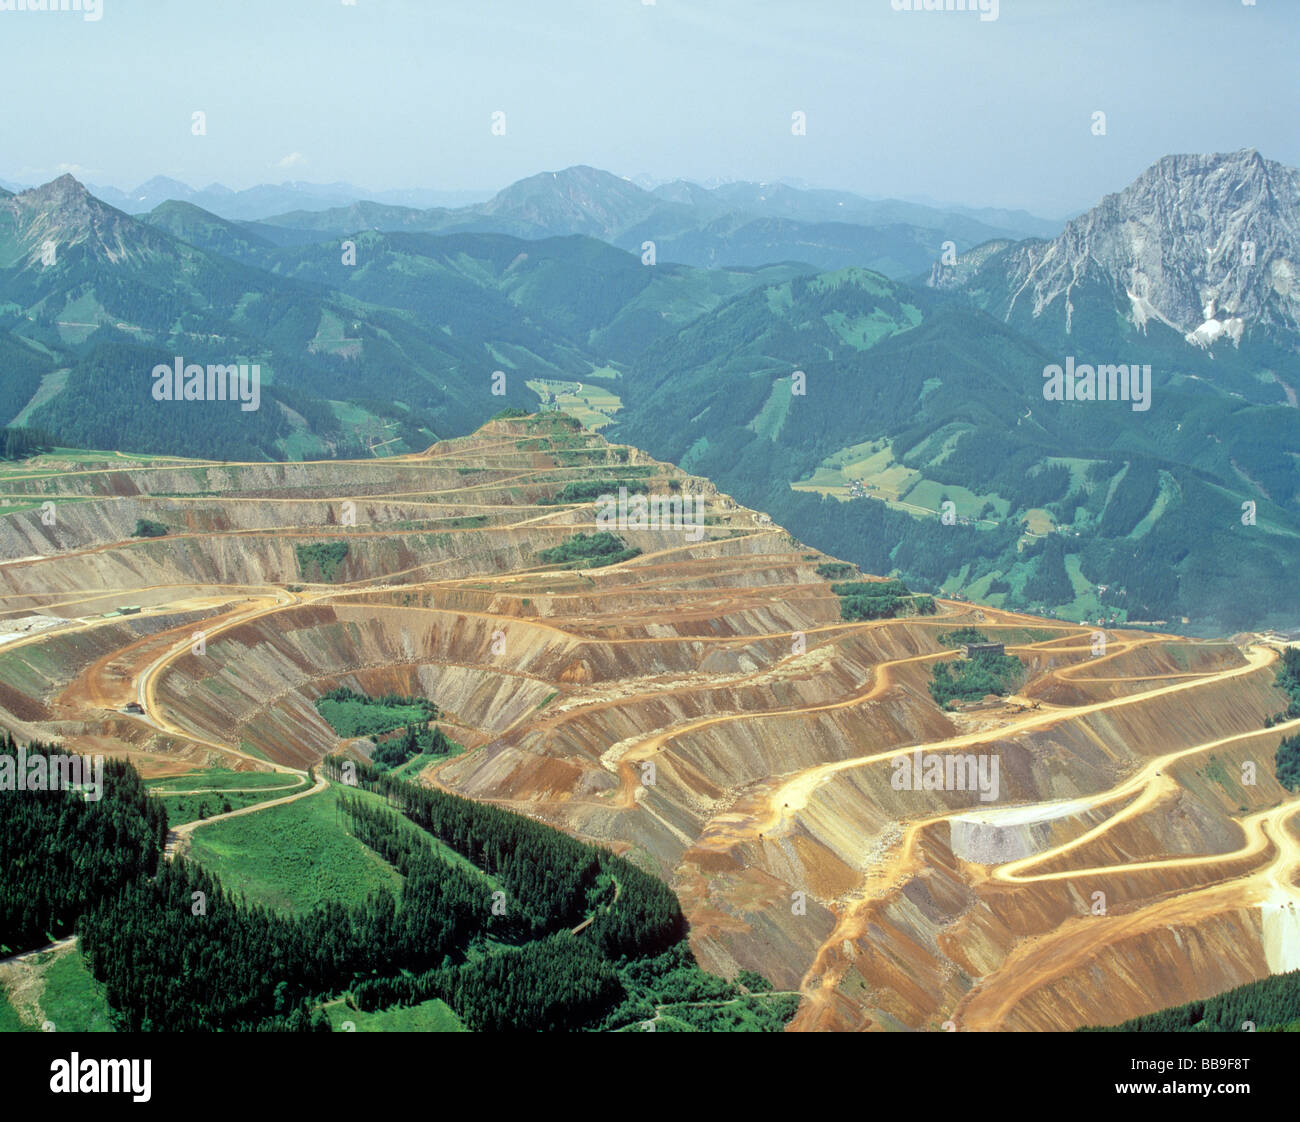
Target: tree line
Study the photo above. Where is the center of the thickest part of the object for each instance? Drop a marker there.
(64, 853)
(547, 875)
(1269, 1004)
(21, 441)
(176, 950)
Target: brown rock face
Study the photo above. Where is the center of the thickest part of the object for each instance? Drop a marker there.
(701, 706)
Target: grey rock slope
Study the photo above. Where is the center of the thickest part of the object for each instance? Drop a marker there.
(1208, 244)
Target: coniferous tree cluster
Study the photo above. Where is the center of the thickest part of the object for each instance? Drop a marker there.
(320, 560)
(416, 740)
(179, 952)
(544, 932)
(1050, 583)
(356, 714)
(64, 853)
(1011, 472)
(1270, 1004)
(146, 528)
(970, 679)
(171, 960)
(589, 490)
(589, 551)
(548, 877)
(880, 600)
(21, 442)
(342, 693)
(960, 636)
(1288, 681)
(558, 983)
(1287, 763)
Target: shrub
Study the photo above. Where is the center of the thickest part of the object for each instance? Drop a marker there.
(144, 528)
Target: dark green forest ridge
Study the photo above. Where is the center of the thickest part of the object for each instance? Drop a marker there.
(513, 924)
(1148, 504)
(404, 342)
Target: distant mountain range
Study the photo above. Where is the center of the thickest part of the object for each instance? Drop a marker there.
(402, 344)
(266, 198)
(730, 224)
(923, 442)
(742, 224)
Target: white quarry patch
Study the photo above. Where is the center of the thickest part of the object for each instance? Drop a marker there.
(994, 837)
(13, 629)
(1142, 309)
(609, 759)
(1140, 305)
(409, 648)
(1029, 812)
(1213, 330)
(1281, 919)
(1282, 276)
(881, 844)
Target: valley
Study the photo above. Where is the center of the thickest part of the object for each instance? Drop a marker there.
(816, 365)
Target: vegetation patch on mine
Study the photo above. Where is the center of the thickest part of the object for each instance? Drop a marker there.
(589, 551)
(880, 599)
(320, 561)
(350, 713)
(970, 679)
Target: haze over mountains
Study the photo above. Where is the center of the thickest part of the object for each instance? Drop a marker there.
(731, 223)
(263, 199)
(734, 224)
(923, 379)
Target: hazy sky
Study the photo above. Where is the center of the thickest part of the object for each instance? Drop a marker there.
(399, 93)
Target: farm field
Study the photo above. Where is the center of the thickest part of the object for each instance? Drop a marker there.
(594, 406)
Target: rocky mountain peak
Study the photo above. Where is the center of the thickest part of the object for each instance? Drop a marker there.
(1207, 244)
(65, 213)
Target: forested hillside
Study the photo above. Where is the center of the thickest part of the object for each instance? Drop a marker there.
(853, 409)
(901, 426)
(533, 930)
(1268, 1005)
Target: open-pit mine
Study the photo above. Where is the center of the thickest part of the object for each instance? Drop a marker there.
(702, 708)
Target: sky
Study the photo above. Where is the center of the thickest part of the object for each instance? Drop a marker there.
(400, 93)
